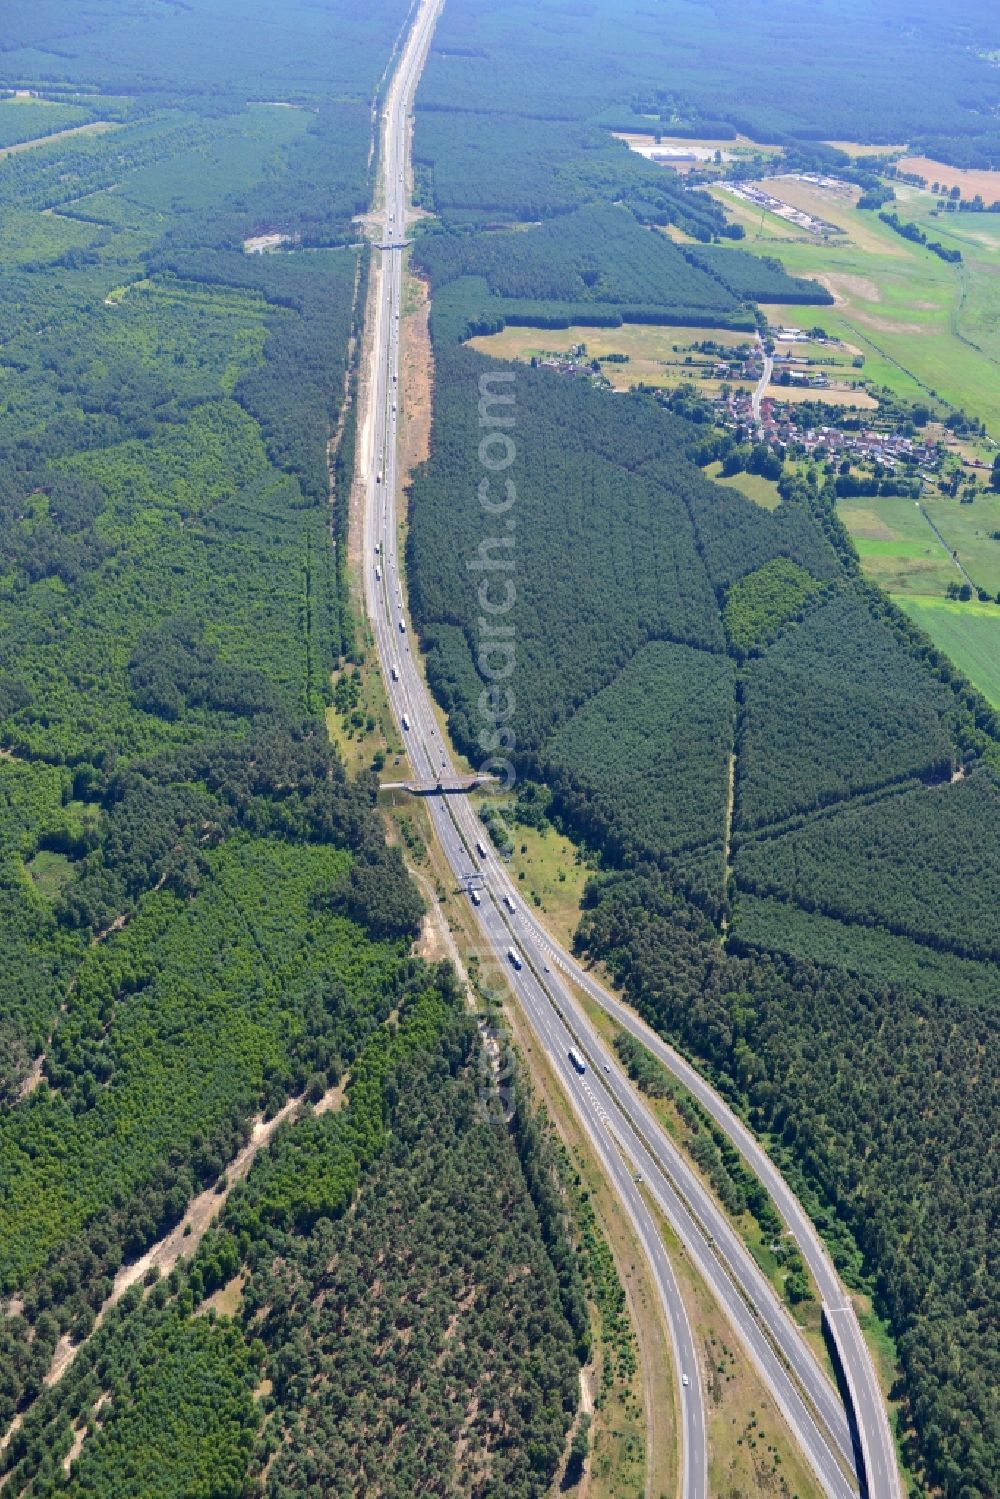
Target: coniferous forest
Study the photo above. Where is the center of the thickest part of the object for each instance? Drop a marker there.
(826, 946)
(209, 1004)
(851, 1011)
(204, 928)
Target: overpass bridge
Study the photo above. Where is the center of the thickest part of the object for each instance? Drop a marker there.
(443, 786)
(866, 1412)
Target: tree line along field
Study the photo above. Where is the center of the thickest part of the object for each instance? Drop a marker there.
(918, 555)
(922, 325)
(601, 256)
(662, 624)
(203, 922)
(968, 633)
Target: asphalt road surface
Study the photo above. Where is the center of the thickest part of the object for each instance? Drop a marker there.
(627, 1137)
(764, 381)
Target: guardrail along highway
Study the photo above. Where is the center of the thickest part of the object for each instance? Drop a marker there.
(627, 1137)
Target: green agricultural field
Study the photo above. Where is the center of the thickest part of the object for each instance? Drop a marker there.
(970, 531)
(897, 547)
(900, 551)
(922, 325)
(969, 633)
(976, 318)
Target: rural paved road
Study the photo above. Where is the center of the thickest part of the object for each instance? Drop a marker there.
(763, 382)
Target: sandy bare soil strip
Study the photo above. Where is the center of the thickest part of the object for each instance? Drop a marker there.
(183, 1239)
(95, 127)
(417, 375)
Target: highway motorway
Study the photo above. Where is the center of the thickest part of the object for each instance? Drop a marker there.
(429, 757)
(870, 1412)
(626, 1135)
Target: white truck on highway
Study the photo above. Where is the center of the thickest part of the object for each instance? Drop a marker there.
(514, 956)
(394, 673)
(480, 850)
(402, 627)
(509, 903)
(475, 897)
(577, 1060)
(406, 723)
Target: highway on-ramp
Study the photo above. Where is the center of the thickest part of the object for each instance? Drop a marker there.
(868, 1407)
(626, 1135)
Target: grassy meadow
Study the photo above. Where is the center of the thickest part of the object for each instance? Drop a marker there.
(921, 324)
(901, 551)
(970, 633)
(762, 491)
(898, 547)
(656, 352)
(970, 531)
(923, 327)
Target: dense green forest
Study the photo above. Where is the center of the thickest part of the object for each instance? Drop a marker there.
(922, 864)
(203, 922)
(600, 264)
(913, 72)
(754, 278)
(212, 54)
(875, 1084)
(596, 254)
(367, 1263)
(510, 169)
(581, 510)
(166, 573)
(659, 622)
(642, 767)
(28, 119)
(837, 706)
